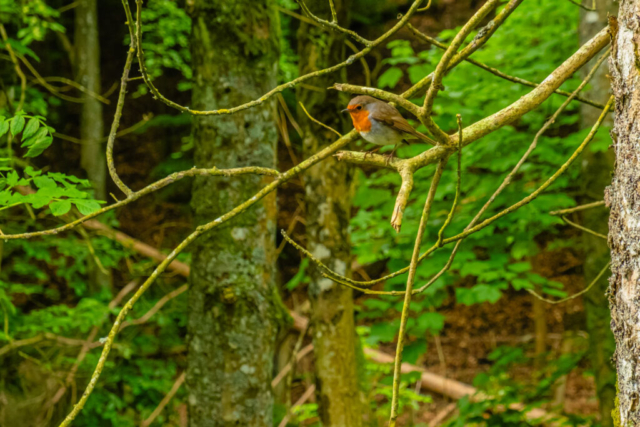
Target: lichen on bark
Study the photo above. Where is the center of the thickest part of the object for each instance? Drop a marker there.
(328, 188)
(623, 197)
(234, 308)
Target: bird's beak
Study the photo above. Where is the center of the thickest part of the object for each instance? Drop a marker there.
(346, 110)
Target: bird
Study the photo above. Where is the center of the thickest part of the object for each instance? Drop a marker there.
(381, 124)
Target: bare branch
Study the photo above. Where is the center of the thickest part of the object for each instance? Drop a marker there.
(458, 181)
(282, 178)
(165, 400)
(334, 23)
(582, 6)
(585, 229)
(441, 69)
(582, 292)
(481, 38)
(578, 208)
(497, 72)
(16, 64)
(470, 229)
(176, 176)
(409, 289)
(318, 122)
(380, 94)
(116, 121)
(137, 29)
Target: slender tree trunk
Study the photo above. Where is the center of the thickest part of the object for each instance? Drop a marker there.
(328, 187)
(234, 307)
(88, 75)
(623, 197)
(92, 155)
(596, 175)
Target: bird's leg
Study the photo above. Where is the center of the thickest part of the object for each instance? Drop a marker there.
(367, 153)
(390, 156)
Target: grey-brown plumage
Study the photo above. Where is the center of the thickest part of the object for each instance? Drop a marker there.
(380, 123)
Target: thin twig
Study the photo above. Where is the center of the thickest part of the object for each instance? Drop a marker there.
(164, 401)
(137, 29)
(316, 121)
(300, 355)
(585, 229)
(282, 178)
(16, 64)
(116, 118)
(458, 180)
(157, 306)
(305, 396)
(584, 291)
(334, 24)
(578, 208)
(577, 3)
(426, 7)
(123, 132)
(497, 72)
(443, 65)
(469, 230)
(408, 292)
(481, 38)
(176, 176)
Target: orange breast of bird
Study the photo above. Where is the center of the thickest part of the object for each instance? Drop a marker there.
(361, 120)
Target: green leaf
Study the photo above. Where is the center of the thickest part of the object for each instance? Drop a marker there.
(4, 127)
(300, 275)
(390, 78)
(432, 322)
(17, 124)
(519, 267)
(414, 350)
(521, 284)
(37, 148)
(87, 207)
(477, 294)
(60, 207)
(31, 128)
(384, 332)
(39, 134)
(31, 171)
(44, 182)
(12, 178)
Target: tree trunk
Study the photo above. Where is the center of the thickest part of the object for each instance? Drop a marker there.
(93, 158)
(596, 175)
(92, 154)
(234, 308)
(328, 187)
(623, 197)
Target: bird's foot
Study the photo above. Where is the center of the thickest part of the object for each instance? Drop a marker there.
(370, 152)
(389, 157)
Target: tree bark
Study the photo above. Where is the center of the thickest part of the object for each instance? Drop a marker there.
(623, 197)
(234, 307)
(328, 188)
(596, 175)
(87, 44)
(92, 151)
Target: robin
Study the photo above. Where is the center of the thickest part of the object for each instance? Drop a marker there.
(381, 124)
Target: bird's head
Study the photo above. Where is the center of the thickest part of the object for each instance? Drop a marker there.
(359, 104)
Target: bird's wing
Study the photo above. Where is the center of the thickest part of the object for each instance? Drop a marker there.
(389, 116)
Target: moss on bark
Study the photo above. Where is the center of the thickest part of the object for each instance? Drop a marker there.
(234, 308)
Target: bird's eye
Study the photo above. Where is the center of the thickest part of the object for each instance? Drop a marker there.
(359, 107)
